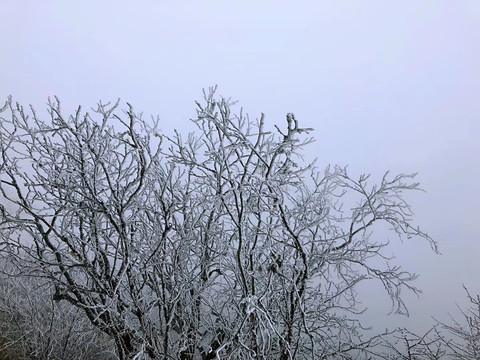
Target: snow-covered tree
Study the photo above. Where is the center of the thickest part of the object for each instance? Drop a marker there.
(221, 243)
(34, 326)
(462, 335)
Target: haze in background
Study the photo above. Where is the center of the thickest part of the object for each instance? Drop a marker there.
(386, 87)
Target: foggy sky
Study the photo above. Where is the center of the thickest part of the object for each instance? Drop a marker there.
(387, 86)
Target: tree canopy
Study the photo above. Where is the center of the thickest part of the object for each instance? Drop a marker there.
(220, 243)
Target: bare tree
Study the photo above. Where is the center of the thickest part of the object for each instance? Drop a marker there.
(457, 339)
(218, 244)
(403, 344)
(33, 326)
(462, 337)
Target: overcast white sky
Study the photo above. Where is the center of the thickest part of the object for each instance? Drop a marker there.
(386, 85)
